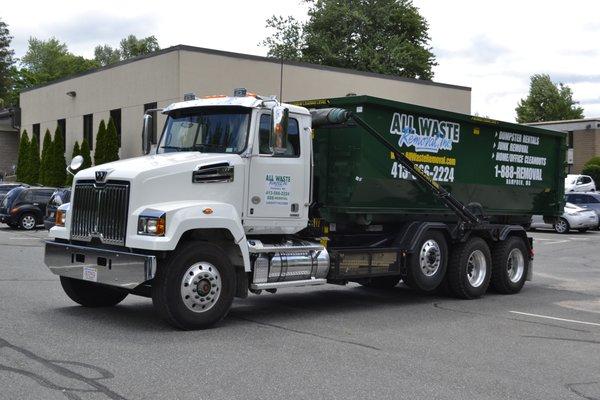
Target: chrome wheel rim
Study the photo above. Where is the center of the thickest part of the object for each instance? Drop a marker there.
(561, 226)
(476, 268)
(516, 265)
(28, 222)
(201, 287)
(430, 258)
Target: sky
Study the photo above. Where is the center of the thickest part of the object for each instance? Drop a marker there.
(492, 47)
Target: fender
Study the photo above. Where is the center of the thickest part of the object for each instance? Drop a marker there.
(410, 236)
(182, 217)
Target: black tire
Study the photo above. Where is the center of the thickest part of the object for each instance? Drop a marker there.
(562, 227)
(202, 261)
(25, 221)
(509, 270)
(416, 277)
(90, 294)
(460, 269)
(381, 282)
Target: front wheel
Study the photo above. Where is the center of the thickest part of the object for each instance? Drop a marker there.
(90, 294)
(27, 221)
(470, 269)
(195, 287)
(562, 226)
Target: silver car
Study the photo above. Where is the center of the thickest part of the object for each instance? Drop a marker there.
(574, 217)
(590, 200)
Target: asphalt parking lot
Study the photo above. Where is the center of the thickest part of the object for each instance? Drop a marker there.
(326, 343)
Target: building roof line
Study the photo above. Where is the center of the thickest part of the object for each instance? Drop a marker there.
(182, 47)
(563, 121)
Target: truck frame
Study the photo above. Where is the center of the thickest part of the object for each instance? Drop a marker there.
(207, 219)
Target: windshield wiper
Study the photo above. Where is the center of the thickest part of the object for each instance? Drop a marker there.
(177, 148)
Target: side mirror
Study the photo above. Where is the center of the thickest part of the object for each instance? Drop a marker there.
(279, 129)
(75, 164)
(146, 134)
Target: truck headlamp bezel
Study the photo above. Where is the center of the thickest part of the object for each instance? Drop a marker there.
(152, 223)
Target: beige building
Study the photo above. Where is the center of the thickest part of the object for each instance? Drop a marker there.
(124, 90)
(583, 140)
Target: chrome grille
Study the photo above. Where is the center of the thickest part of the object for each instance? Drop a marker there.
(100, 211)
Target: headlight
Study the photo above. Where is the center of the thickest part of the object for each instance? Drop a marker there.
(153, 225)
(60, 218)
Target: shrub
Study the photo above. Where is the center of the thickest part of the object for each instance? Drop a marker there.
(100, 152)
(22, 162)
(33, 161)
(112, 142)
(45, 160)
(58, 163)
(85, 153)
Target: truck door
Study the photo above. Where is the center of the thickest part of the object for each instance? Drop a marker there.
(278, 184)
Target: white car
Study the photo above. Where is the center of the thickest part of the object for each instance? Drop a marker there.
(579, 183)
(574, 217)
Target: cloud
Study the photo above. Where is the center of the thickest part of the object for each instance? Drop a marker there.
(566, 77)
(481, 49)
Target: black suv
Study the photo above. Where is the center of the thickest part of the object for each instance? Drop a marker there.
(25, 207)
(59, 197)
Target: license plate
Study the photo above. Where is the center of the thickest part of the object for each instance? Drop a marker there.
(90, 274)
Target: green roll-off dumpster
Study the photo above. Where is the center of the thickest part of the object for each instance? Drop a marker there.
(508, 171)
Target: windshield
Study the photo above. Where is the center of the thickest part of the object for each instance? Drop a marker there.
(206, 129)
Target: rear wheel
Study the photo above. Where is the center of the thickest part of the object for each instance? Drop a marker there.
(381, 282)
(470, 269)
(426, 267)
(562, 226)
(509, 265)
(194, 289)
(90, 294)
(27, 221)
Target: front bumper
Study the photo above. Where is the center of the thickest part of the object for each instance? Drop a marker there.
(109, 267)
(5, 218)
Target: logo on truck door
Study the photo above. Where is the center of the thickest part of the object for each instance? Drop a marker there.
(277, 189)
(428, 135)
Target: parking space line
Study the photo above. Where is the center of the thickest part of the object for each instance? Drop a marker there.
(556, 318)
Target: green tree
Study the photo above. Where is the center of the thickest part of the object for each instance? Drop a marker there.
(48, 60)
(58, 163)
(6, 65)
(100, 152)
(85, 153)
(547, 102)
(76, 152)
(112, 142)
(45, 160)
(106, 55)
(33, 160)
(130, 47)
(383, 36)
(23, 162)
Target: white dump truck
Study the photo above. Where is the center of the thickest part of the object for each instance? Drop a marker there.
(244, 194)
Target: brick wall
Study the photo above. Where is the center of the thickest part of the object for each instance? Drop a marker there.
(9, 150)
(586, 144)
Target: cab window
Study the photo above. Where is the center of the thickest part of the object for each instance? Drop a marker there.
(264, 132)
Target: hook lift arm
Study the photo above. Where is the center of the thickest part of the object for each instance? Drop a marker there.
(332, 116)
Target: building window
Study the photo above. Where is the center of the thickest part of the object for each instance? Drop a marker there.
(154, 125)
(88, 129)
(36, 133)
(62, 125)
(570, 139)
(116, 117)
